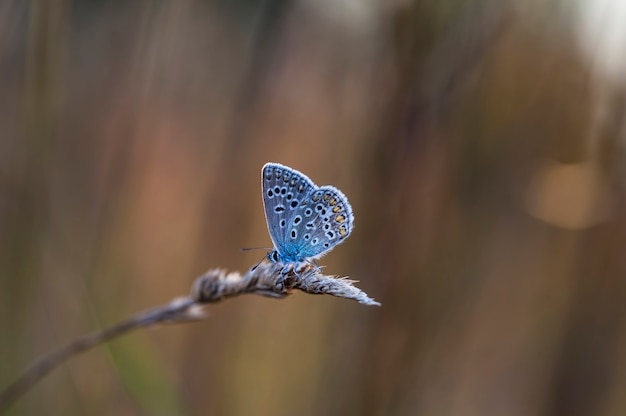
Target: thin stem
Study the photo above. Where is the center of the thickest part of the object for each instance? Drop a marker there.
(267, 279)
(45, 364)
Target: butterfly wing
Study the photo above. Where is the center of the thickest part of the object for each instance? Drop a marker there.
(323, 220)
(284, 189)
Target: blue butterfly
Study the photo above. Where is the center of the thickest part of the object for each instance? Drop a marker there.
(304, 221)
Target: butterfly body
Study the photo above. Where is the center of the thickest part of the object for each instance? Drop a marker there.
(304, 221)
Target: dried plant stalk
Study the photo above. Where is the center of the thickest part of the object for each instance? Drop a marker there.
(267, 279)
(276, 280)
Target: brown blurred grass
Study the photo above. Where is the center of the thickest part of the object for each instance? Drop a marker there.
(130, 152)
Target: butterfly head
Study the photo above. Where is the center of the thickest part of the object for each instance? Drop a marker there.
(289, 253)
(273, 256)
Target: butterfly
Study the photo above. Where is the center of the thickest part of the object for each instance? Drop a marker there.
(305, 221)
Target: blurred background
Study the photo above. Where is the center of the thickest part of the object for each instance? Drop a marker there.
(481, 144)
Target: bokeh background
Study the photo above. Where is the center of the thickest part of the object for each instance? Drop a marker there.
(481, 144)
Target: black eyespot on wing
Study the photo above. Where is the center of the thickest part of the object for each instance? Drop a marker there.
(279, 209)
(294, 204)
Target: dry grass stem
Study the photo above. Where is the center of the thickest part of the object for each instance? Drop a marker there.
(275, 280)
(267, 279)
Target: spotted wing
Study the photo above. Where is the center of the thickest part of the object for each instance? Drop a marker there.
(283, 191)
(323, 220)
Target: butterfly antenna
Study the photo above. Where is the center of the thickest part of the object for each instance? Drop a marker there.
(254, 248)
(257, 265)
